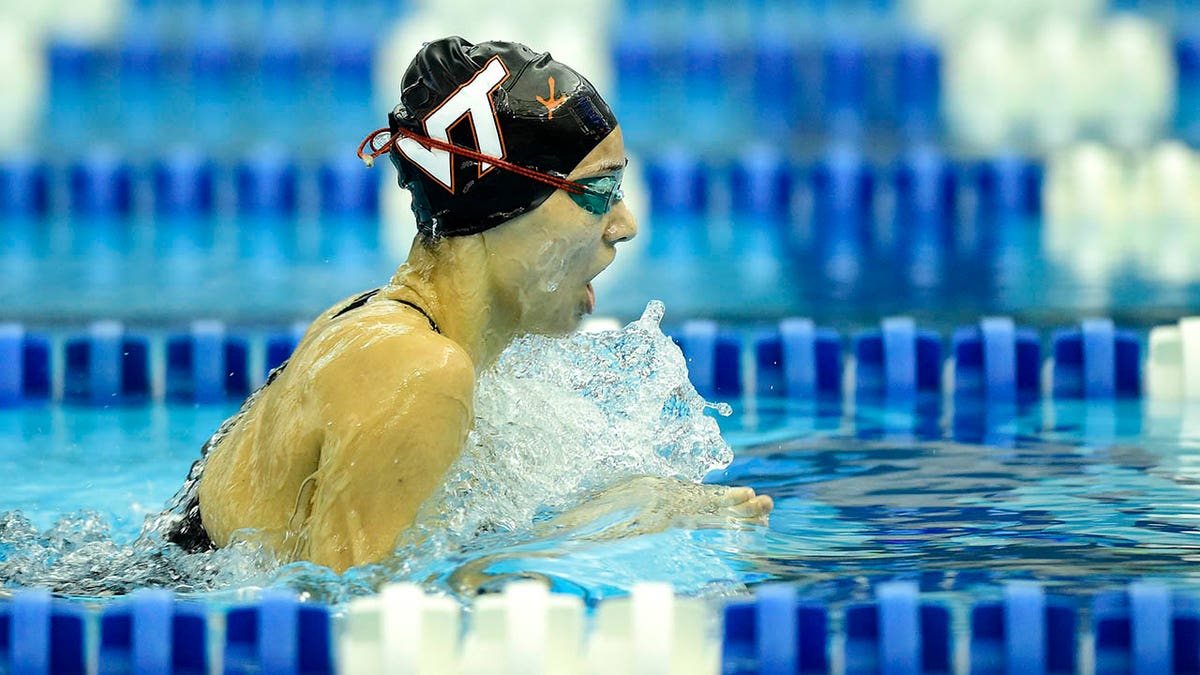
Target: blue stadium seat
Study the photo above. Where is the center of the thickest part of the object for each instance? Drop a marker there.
(997, 362)
(1025, 633)
(278, 635)
(897, 634)
(897, 362)
(799, 361)
(41, 635)
(101, 184)
(207, 366)
(713, 358)
(184, 184)
(774, 633)
(24, 366)
(1096, 361)
(152, 633)
(107, 367)
(24, 188)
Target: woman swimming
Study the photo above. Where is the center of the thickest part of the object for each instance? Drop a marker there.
(514, 163)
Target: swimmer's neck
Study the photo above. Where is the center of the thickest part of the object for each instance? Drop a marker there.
(453, 284)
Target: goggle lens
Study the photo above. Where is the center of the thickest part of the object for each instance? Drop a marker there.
(600, 193)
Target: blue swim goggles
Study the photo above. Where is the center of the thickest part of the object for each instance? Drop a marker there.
(596, 195)
(599, 193)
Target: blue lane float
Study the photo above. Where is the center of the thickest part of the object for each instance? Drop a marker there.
(799, 361)
(897, 634)
(24, 188)
(278, 635)
(997, 362)
(678, 183)
(1146, 630)
(898, 362)
(1096, 361)
(153, 633)
(40, 635)
(1007, 187)
(280, 346)
(844, 87)
(107, 367)
(713, 356)
(838, 229)
(775, 634)
(774, 67)
(347, 190)
(101, 184)
(24, 366)
(918, 88)
(760, 182)
(206, 365)
(926, 189)
(184, 184)
(267, 183)
(1025, 634)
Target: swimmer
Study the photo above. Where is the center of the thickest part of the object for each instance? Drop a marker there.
(514, 163)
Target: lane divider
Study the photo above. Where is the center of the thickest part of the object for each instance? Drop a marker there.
(994, 362)
(1144, 628)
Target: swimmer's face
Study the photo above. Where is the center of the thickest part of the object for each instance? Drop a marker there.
(543, 262)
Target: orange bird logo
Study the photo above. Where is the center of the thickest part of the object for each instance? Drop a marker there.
(551, 103)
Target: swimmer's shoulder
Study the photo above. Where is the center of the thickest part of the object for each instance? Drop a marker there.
(386, 349)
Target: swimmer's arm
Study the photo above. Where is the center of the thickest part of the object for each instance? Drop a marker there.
(398, 412)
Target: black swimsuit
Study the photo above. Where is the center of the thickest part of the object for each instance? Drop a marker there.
(180, 524)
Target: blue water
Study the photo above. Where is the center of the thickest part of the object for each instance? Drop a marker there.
(1080, 496)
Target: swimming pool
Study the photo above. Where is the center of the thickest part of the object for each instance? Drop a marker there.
(824, 254)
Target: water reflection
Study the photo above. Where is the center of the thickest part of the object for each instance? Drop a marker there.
(1080, 495)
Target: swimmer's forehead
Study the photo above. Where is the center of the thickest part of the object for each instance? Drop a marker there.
(606, 158)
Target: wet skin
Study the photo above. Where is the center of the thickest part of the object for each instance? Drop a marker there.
(334, 458)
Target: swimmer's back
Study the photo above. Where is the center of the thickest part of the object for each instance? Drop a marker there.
(337, 451)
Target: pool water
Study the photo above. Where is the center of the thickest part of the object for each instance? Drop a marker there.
(1082, 496)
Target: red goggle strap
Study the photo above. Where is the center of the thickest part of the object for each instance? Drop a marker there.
(368, 158)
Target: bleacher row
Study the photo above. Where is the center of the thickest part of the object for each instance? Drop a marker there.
(1142, 628)
(994, 360)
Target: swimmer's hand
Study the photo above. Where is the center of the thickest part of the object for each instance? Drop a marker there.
(652, 504)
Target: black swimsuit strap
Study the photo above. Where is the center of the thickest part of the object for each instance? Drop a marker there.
(362, 300)
(432, 323)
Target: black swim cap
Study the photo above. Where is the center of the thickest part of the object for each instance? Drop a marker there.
(503, 100)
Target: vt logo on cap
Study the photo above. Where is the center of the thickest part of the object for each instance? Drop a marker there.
(472, 100)
(466, 109)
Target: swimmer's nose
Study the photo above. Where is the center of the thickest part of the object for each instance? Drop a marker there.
(621, 225)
